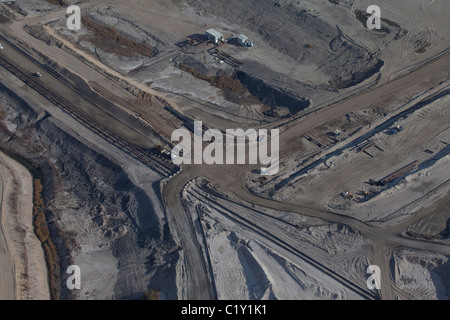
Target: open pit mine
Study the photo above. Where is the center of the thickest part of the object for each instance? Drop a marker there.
(224, 150)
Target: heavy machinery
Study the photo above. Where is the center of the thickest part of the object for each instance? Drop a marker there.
(396, 129)
(348, 195)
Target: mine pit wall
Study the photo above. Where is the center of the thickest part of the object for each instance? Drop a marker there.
(146, 255)
(19, 148)
(256, 78)
(272, 96)
(373, 68)
(38, 174)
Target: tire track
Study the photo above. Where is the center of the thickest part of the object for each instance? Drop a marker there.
(285, 245)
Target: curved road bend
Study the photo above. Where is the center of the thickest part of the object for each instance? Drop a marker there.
(199, 286)
(382, 240)
(229, 178)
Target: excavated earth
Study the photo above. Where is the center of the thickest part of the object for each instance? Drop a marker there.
(100, 217)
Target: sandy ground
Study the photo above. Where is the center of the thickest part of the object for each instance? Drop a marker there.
(424, 129)
(258, 253)
(421, 277)
(26, 252)
(7, 285)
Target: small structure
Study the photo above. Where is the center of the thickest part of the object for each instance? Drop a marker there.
(1, 47)
(243, 41)
(396, 129)
(348, 195)
(214, 35)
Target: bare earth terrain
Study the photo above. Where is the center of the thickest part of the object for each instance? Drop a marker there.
(28, 277)
(364, 164)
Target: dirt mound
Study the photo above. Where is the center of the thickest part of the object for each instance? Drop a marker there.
(273, 97)
(4, 20)
(144, 98)
(252, 84)
(109, 40)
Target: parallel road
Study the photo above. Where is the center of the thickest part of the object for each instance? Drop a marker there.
(158, 164)
(383, 241)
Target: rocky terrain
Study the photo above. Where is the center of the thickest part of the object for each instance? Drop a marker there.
(248, 264)
(101, 217)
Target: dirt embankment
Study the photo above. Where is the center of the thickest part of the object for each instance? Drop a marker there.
(248, 86)
(18, 223)
(109, 40)
(281, 103)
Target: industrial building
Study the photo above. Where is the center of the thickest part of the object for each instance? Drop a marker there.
(244, 41)
(214, 35)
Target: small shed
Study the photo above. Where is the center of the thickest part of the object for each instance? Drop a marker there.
(243, 41)
(214, 35)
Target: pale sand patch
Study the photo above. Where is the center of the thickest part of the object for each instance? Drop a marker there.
(26, 252)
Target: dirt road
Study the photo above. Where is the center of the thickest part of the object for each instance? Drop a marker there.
(7, 275)
(408, 85)
(230, 177)
(198, 283)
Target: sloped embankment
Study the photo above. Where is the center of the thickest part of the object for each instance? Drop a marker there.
(99, 216)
